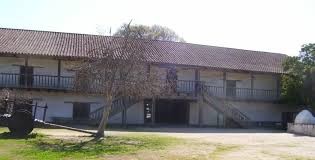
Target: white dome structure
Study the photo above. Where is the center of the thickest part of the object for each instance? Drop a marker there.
(305, 117)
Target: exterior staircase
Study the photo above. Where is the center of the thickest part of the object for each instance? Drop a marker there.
(119, 105)
(226, 108)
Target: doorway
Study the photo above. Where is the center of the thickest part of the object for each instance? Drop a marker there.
(26, 74)
(172, 112)
(231, 88)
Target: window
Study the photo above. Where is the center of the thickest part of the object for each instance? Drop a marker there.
(81, 110)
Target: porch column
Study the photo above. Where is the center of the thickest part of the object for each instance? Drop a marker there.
(25, 72)
(224, 83)
(124, 115)
(197, 81)
(252, 85)
(153, 111)
(59, 73)
(199, 111)
(278, 86)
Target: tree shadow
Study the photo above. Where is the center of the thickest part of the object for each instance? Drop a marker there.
(91, 147)
(9, 135)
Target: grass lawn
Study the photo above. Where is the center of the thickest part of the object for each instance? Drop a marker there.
(65, 144)
(37, 146)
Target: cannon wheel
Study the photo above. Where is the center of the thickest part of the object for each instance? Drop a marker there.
(21, 123)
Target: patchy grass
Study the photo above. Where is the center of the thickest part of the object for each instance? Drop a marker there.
(38, 146)
(221, 149)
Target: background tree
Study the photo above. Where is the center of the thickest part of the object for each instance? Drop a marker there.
(119, 69)
(155, 32)
(298, 84)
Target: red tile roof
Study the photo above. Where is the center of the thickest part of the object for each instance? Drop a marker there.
(18, 41)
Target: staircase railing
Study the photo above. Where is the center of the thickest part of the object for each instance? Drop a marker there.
(118, 106)
(225, 108)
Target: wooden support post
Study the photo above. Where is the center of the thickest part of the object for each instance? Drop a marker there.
(59, 73)
(218, 119)
(153, 111)
(197, 81)
(25, 72)
(199, 111)
(278, 89)
(224, 83)
(252, 85)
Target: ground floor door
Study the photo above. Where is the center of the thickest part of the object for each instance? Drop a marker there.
(172, 112)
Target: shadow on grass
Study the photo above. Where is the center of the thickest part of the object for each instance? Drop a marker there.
(9, 135)
(112, 145)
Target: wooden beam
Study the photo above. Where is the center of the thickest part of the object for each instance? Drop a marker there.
(59, 72)
(153, 111)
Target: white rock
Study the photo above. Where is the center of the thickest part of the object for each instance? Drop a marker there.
(304, 117)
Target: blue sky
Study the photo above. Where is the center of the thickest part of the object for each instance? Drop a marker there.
(267, 25)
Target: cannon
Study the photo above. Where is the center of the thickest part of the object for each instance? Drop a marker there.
(19, 117)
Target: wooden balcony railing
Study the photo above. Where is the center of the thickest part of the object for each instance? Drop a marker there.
(242, 93)
(188, 87)
(14, 80)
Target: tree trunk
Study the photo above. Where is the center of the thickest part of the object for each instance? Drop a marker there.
(103, 123)
(313, 87)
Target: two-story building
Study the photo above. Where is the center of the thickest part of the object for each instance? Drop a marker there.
(238, 86)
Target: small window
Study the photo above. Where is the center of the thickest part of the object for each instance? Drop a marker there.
(81, 111)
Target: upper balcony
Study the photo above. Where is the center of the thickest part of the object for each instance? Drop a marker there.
(187, 88)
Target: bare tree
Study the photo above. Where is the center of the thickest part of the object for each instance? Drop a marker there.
(119, 68)
(155, 32)
(13, 96)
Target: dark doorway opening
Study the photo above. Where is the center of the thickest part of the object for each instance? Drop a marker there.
(81, 111)
(172, 112)
(26, 75)
(231, 88)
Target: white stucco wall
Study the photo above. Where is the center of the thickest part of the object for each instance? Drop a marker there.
(11, 64)
(265, 81)
(135, 114)
(243, 80)
(262, 111)
(211, 77)
(44, 66)
(61, 104)
(193, 113)
(185, 74)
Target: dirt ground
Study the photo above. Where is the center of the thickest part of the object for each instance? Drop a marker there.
(210, 143)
